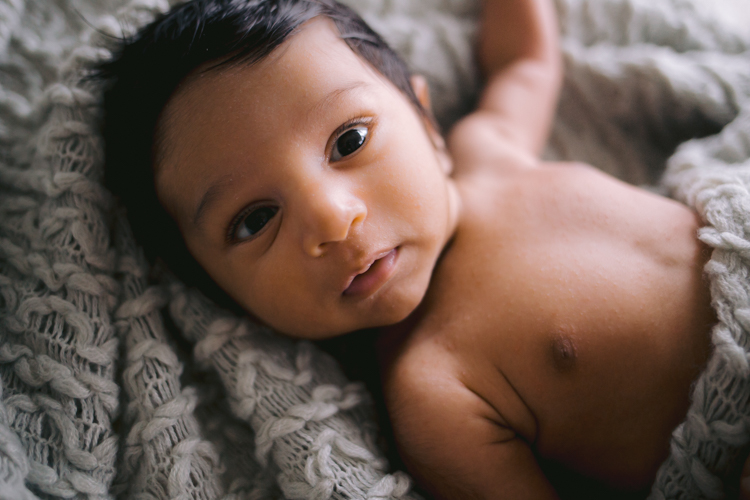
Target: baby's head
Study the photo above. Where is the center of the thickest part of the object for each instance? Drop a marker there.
(280, 148)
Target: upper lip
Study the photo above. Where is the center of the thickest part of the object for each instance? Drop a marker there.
(366, 265)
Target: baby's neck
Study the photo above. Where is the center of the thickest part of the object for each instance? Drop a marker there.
(390, 339)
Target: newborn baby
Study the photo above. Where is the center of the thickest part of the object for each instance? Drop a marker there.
(536, 321)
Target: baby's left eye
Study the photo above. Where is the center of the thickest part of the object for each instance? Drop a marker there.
(251, 223)
(348, 142)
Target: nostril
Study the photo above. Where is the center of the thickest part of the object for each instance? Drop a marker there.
(359, 219)
(329, 219)
(359, 213)
(313, 246)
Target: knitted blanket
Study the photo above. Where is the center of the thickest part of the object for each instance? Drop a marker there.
(115, 380)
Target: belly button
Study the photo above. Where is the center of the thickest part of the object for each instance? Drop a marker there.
(564, 352)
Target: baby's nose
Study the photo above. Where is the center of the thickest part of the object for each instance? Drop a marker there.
(330, 215)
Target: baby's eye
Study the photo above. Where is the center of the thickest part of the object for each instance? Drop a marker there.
(248, 225)
(348, 143)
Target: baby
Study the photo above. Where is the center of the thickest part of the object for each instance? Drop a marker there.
(535, 321)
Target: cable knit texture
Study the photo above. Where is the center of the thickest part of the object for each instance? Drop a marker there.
(116, 380)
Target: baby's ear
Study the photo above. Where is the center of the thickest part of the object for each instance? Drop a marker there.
(422, 91)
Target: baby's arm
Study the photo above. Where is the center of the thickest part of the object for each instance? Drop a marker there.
(454, 443)
(519, 57)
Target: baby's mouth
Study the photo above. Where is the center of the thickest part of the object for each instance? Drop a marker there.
(371, 279)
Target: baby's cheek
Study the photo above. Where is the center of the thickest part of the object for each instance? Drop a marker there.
(286, 304)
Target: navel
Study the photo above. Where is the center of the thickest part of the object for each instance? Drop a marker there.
(564, 351)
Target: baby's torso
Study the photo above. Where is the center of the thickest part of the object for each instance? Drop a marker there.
(574, 306)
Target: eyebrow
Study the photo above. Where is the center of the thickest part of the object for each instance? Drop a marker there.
(214, 192)
(332, 96)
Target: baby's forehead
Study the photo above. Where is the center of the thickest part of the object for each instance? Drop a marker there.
(312, 83)
(314, 53)
(313, 62)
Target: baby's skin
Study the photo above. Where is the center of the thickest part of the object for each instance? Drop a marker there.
(534, 316)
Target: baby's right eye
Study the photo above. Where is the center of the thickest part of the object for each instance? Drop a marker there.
(251, 222)
(348, 143)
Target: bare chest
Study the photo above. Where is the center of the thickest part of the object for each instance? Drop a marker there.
(580, 315)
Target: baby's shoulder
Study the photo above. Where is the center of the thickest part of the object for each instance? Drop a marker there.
(427, 396)
(417, 364)
(434, 375)
(448, 432)
(478, 143)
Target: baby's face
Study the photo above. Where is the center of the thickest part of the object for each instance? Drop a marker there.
(307, 186)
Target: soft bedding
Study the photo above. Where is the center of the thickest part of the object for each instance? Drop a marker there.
(118, 381)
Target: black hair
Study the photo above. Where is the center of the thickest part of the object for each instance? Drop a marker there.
(147, 67)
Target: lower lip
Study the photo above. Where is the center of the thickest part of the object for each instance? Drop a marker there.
(371, 280)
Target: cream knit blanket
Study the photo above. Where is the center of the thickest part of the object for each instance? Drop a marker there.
(117, 382)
